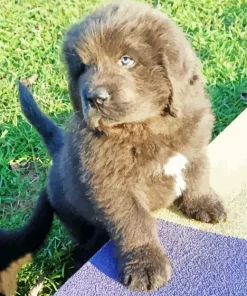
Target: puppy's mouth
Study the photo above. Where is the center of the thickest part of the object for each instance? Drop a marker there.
(102, 111)
(95, 116)
(100, 120)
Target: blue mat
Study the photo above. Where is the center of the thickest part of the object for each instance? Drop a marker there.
(204, 264)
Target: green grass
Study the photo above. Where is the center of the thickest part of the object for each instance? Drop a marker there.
(31, 33)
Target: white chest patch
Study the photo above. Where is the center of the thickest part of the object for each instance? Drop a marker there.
(174, 167)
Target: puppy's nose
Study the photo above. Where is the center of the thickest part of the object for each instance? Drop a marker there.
(98, 97)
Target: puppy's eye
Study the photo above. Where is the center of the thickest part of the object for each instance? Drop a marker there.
(126, 61)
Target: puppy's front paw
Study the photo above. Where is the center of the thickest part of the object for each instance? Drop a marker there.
(145, 269)
(208, 209)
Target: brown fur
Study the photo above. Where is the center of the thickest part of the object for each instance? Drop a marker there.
(157, 109)
(8, 277)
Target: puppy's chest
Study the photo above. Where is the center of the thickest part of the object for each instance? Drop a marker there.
(174, 167)
(123, 164)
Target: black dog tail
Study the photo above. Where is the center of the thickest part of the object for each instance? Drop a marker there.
(51, 134)
(15, 244)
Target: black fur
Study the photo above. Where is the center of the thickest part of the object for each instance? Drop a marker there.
(51, 134)
(15, 244)
(65, 192)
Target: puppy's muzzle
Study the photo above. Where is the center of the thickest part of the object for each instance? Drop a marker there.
(98, 97)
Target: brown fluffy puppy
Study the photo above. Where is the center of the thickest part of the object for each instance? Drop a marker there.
(138, 140)
(142, 125)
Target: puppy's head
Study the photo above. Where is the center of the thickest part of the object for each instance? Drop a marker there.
(125, 64)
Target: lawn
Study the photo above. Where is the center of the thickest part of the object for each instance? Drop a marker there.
(31, 33)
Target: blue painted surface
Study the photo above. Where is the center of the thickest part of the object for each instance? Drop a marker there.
(203, 263)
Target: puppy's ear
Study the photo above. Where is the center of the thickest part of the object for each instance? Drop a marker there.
(179, 62)
(75, 66)
(170, 108)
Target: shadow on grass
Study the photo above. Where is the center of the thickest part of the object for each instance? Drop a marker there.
(226, 102)
(24, 160)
